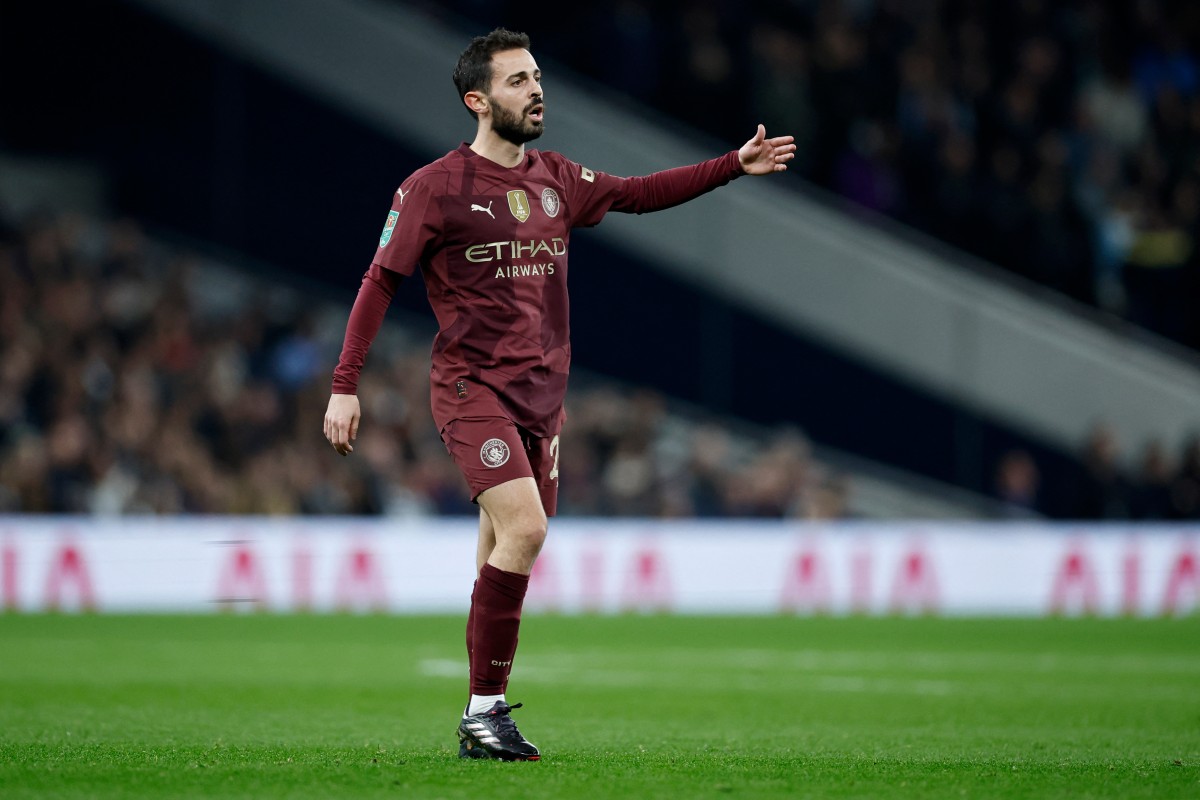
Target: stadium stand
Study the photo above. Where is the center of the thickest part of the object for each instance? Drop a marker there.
(143, 378)
(918, 144)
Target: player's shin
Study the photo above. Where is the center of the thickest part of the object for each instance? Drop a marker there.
(495, 623)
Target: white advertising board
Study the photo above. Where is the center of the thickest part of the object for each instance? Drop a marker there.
(603, 566)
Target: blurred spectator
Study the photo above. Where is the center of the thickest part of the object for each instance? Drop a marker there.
(1185, 488)
(1016, 484)
(1117, 114)
(1103, 491)
(1156, 267)
(704, 85)
(1151, 496)
(864, 173)
(710, 469)
(782, 86)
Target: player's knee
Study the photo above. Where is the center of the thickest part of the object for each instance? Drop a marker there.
(532, 535)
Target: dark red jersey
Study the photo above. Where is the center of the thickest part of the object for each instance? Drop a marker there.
(492, 243)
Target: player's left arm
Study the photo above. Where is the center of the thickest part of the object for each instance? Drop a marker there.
(759, 156)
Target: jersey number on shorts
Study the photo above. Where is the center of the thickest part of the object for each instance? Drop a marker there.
(554, 455)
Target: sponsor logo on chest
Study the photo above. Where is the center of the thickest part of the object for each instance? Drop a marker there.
(527, 249)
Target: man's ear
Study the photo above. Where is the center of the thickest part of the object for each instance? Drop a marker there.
(476, 101)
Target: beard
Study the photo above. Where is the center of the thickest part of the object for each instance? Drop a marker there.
(515, 128)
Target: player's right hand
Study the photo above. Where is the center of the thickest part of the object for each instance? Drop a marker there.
(341, 422)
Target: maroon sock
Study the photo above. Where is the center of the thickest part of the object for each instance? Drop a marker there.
(495, 620)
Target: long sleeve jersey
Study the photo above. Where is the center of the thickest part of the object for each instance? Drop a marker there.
(492, 243)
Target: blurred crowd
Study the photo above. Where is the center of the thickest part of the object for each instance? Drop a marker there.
(137, 378)
(1153, 484)
(1059, 139)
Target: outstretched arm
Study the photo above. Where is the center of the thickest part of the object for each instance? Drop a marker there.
(762, 156)
(759, 156)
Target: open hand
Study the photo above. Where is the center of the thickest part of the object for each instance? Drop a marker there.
(762, 156)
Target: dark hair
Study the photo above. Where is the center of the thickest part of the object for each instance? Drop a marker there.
(474, 70)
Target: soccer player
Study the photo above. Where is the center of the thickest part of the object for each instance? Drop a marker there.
(489, 224)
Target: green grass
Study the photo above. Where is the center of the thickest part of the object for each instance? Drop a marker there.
(626, 707)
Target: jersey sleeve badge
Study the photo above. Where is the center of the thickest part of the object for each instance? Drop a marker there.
(588, 175)
(388, 227)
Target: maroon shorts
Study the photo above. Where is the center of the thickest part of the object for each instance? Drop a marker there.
(490, 451)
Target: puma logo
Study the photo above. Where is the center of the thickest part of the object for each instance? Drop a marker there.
(401, 192)
(488, 210)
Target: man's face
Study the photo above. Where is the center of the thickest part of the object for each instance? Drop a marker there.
(516, 96)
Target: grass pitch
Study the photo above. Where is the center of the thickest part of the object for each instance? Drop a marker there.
(624, 707)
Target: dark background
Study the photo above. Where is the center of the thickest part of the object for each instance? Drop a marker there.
(204, 147)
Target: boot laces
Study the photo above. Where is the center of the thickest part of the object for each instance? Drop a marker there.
(504, 724)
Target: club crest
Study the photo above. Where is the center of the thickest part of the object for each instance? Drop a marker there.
(388, 227)
(518, 204)
(550, 202)
(494, 453)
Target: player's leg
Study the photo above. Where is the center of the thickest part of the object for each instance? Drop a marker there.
(518, 525)
(521, 542)
(514, 531)
(492, 456)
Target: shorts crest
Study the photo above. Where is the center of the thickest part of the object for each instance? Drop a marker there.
(494, 453)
